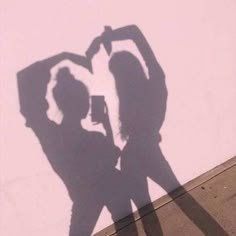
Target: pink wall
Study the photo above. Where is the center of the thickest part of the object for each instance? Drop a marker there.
(195, 43)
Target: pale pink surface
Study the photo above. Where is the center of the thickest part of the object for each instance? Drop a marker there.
(194, 41)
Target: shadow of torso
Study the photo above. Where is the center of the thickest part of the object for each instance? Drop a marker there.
(81, 158)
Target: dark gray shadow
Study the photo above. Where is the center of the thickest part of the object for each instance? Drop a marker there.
(142, 108)
(84, 160)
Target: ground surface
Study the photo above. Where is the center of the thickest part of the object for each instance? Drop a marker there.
(217, 195)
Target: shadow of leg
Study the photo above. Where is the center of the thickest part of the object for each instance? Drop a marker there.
(141, 196)
(83, 219)
(165, 177)
(115, 209)
(192, 209)
(198, 215)
(151, 224)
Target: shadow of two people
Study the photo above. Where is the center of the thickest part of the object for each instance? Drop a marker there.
(86, 161)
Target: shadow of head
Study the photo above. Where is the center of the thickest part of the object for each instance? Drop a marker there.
(71, 95)
(131, 82)
(127, 70)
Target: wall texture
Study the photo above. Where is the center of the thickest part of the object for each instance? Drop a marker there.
(195, 43)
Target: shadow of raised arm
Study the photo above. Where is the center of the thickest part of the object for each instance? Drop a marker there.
(132, 32)
(32, 86)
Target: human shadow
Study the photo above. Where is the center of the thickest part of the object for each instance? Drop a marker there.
(142, 108)
(85, 161)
